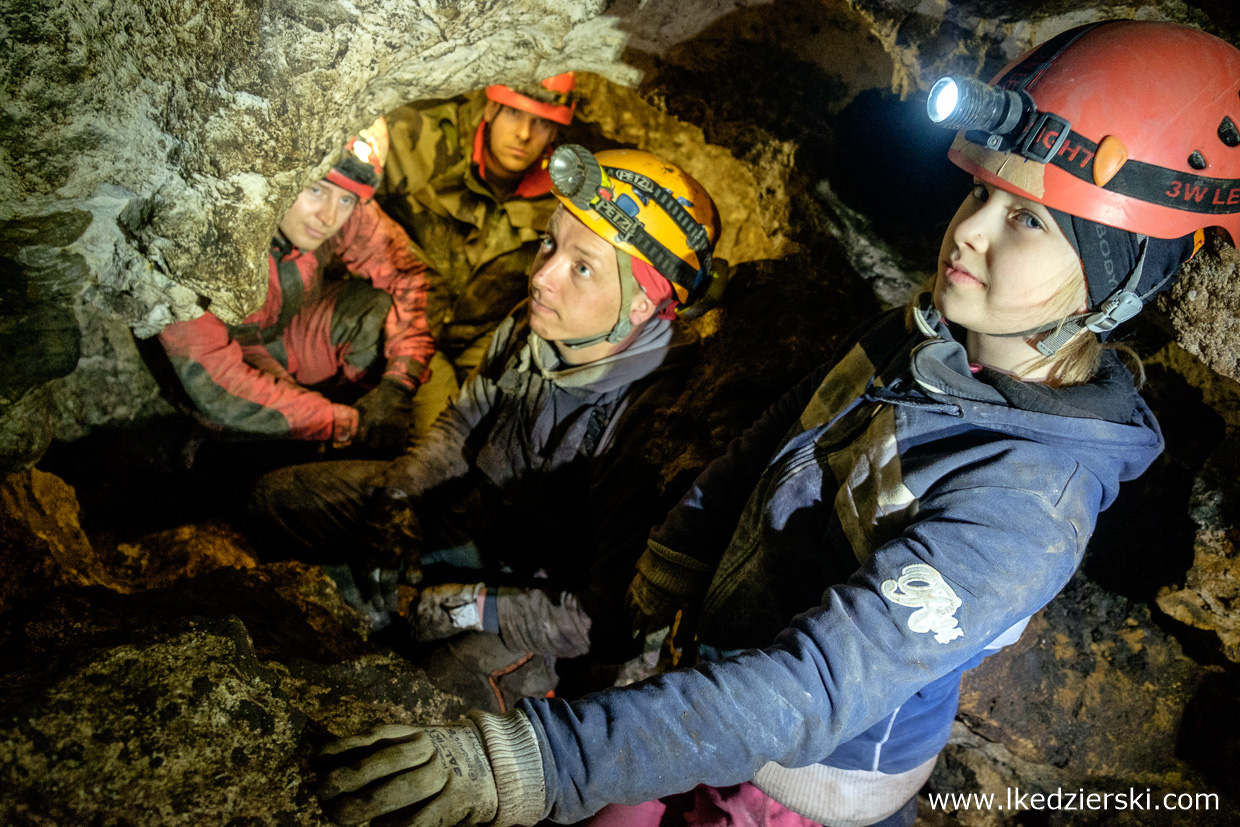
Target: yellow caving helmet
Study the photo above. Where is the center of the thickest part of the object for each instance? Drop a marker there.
(643, 206)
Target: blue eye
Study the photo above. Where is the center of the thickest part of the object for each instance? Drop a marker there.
(583, 271)
(1029, 220)
(545, 242)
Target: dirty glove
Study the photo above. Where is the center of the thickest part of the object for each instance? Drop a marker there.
(666, 582)
(486, 770)
(384, 416)
(447, 610)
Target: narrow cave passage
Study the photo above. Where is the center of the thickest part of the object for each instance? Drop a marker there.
(159, 657)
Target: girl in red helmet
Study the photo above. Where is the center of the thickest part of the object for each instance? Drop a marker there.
(900, 514)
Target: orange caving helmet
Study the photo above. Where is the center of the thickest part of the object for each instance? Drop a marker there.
(1131, 124)
(360, 166)
(643, 206)
(553, 99)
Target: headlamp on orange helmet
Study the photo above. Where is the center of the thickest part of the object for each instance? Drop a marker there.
(1126, 131)
(360, 166)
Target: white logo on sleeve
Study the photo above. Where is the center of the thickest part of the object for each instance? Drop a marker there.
(921, 587)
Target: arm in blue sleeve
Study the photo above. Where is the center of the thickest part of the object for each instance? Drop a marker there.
(1003, 552)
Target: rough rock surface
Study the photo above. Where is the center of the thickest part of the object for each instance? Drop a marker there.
(1102, 690)
(202, 701)
(1094, 696)
(176, 725)
(1209, 599)
(41, 542)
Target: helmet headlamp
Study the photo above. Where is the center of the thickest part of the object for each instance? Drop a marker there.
(577, 177)
(575, 174)
(1001, 119)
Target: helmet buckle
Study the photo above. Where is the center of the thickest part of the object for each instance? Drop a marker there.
(1115, 311)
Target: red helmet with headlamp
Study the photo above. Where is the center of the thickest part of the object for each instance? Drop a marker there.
(360, 166)
(1130, 125)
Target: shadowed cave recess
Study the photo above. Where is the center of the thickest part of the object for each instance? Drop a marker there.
(159, 673)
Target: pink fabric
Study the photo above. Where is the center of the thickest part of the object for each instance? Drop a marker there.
(743, 805)
(658, 288)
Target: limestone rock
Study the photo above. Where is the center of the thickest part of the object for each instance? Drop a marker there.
(978, 37)
(160, 559)
(1205, 309)
(1210, 596)
(44, 547)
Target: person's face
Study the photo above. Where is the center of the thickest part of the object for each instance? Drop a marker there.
(574, 282)
(318, 214)
(1005, 266)
(516, 139)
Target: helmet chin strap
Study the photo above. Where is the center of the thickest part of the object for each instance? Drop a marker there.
(623, 326)
(1121, 306)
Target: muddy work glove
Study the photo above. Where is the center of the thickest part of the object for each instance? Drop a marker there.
(485, 770)
(666, 582)
(384, 415)
(449, 609)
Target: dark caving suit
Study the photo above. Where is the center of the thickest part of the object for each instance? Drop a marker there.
(533, 481)
(923, 511)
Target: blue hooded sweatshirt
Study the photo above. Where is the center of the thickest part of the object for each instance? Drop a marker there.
(901, 516)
